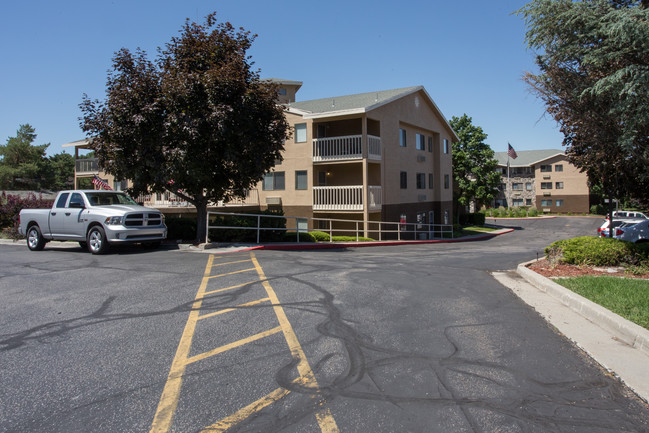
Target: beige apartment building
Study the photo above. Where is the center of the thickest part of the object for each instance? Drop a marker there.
(377, 156)
(542, 179)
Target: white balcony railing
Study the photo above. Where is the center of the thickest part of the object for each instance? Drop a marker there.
(345, 198)
(346, 147)
(86, 165)
(168, 199)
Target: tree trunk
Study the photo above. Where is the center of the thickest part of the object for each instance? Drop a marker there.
(201, 221)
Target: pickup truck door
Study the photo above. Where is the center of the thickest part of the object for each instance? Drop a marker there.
(73, 226)
(58, 217)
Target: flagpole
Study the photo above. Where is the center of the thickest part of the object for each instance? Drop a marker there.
(508, 189)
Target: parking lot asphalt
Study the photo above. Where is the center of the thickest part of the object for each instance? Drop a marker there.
(400, 338)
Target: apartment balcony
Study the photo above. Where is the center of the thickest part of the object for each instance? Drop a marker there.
(170, 200)
(86, 166)
(346, 198)
(346, 148)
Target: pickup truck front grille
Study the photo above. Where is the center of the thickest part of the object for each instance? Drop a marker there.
(143, 219)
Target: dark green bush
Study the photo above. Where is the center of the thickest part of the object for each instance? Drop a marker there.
(249, 235)
(181, 228)
(598, 209)
(473, 219)
(320, 236)
(304, 237)
(592, 251)
(351, 239)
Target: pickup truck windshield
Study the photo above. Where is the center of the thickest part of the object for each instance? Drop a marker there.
(108, 198)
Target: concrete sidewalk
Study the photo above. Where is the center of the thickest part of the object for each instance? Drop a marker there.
(620, 346)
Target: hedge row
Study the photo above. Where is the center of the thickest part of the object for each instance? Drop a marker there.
(592, 251)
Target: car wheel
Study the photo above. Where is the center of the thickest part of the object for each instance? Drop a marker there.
(97, 243)
(35, 239)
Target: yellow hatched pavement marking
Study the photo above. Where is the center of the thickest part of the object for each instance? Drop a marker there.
(171, 393)
(227, 310)
(324, 417)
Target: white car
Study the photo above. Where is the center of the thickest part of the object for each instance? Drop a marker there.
(617, 224)
(638, 232)
(628, 214)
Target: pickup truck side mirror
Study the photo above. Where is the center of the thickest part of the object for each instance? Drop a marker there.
(76, 205)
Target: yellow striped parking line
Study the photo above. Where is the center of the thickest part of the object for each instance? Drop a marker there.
(167, 406)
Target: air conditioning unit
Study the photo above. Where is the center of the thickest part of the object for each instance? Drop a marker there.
(421, 197)
(274, 200)
(547, 194)
(547, 176)
(421, 158)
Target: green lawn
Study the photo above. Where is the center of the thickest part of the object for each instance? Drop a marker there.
(627, 297)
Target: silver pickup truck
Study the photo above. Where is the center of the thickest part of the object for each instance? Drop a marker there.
(95, 219)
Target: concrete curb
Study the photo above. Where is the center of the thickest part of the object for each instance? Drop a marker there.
(625, 330)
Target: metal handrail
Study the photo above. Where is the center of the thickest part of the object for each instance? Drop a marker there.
(401, 228)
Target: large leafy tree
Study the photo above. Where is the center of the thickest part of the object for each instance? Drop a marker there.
(198, 121)
(21, 162)
(594, 79)
(474, 165)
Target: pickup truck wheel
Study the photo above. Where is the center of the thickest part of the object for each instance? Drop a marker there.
(35, 239)
(97, 243)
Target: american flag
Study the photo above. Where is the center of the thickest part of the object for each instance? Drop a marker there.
(100, 183)
(511, 152)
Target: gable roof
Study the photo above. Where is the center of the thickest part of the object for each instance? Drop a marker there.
(358, 103)
(527, 158)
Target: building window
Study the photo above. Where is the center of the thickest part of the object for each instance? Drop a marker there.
(301, 181)
(430, 180)
(546, 168)
(517, 202)
(546, 185)
(447, 181)
(517, 186)
(558, 167)
(404, 180)
(528, 202)
(420, 142)
(282, 91)
(430, 144)
(528, 186)
(559, 202)
(300, 133)
(446, 150)
(558, 185)
(402, 137)
(273, 181)
(421, 181)
(546, 203)
(502, 186)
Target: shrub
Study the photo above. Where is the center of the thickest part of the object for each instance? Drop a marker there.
(10, 207)
(248, 235)
(598, 209)
(473, 219)
(592, 251)
(351, 239)
(181, 228)
(533, 212)
(320, 236)
(304, 237)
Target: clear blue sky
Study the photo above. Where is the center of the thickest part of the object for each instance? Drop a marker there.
(469, 55)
